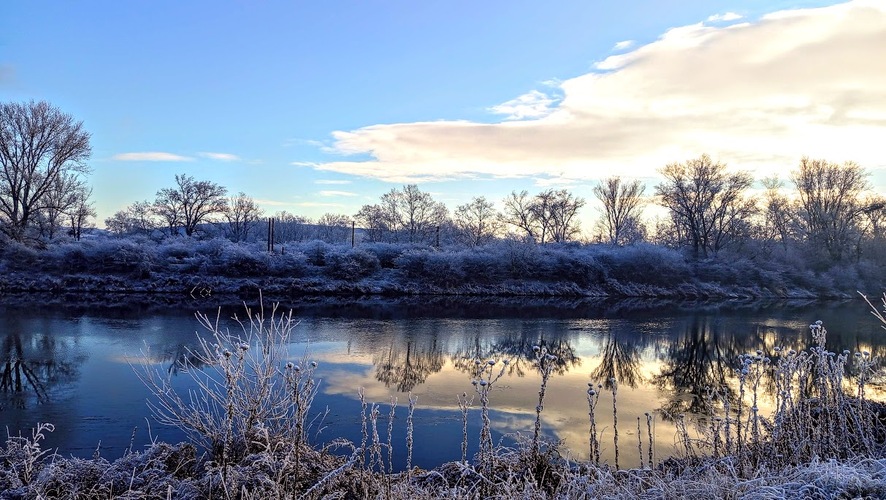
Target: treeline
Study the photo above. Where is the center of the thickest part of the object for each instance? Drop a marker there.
(823, 217)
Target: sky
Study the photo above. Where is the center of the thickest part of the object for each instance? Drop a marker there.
(316, 107)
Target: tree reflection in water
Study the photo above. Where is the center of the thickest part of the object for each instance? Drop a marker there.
(409, 367)
(702, 358)
(519, 350)
(32, 368)
(620, 360)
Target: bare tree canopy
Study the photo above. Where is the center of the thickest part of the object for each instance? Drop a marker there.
(190, 203)
(622, 203)
(137, 218)
(242, 214)
(547, 216)
(830, 203)
(477, 222)
(39, 147)
(334, 228)
(706, 203)
(409, 215)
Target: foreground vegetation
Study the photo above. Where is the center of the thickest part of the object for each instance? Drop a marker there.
(249, 436)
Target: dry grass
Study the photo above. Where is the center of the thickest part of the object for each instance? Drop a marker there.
(248, 423)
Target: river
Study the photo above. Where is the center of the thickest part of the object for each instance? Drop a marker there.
(77, 366)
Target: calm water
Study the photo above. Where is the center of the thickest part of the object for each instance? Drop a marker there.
(77, 365)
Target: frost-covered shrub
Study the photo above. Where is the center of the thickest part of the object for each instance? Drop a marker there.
(482, 266)
(316, 252)
(517, 258)
(292, 264)
(179, 255)
(238, 260)
(17, 256)
(386, 253)
(434, 268)
(571, 265)
(645, 263)
(352, 264)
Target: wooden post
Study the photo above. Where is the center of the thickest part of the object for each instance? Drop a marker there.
(353, 232)
(438, 236)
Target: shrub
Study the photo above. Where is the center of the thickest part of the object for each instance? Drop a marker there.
(351, 265)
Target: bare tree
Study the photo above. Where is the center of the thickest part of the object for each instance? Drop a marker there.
(243, 215)
(706, 202)
(39, 145)
(561, 211)
(80, 214)
(778, 216)
(519, 212)
(68, 193)
(374, 223)
(137, 218)
(477, 222)
(409, 215)
(550, 214)
(334, 228)
(190, 203)
(829, 203)
(291, 227)
(622, 203)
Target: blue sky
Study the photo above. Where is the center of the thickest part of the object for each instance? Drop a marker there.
(317, 107)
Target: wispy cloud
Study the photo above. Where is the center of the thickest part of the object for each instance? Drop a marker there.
(334, 182)
(755, 95)
(337, 193)
(533, 104)
(273, 203)
(624, 44)
(151, 156)
(316, 204)
(219, 156)
(304, 164)
(728, 16)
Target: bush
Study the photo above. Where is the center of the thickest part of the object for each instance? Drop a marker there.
(351, 265)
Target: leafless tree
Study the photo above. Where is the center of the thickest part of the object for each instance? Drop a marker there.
(190, 203)
(622, 203)
(67, 194)
(137, 218)
(829, 203)
(409, 215)
(80, 213)
(290, 227)
(477, 222)
(243, 215)
(334, 228)
(519, 212)
(706, 202)
(39, 146)
(373, 221)
(549, 215)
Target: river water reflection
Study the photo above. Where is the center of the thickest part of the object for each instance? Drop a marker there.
(75, 366)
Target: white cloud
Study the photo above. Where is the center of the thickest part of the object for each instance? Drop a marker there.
(337, 193)
(220, 156)
(150, 156)
(757, 96)
(624, 44)
(728, 16)
(533, 104)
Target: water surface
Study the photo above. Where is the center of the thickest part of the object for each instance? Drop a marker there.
(76, 366)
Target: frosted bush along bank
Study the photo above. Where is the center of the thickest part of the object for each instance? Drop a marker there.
(662, 356)
(178, 266)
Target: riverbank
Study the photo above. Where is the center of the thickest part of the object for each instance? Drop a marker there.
(184, 267)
